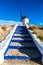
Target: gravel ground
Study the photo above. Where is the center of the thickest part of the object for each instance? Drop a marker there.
(19, 62)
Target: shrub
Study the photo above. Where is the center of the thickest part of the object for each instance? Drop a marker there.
(41, 27)
(32, 27)
(12, 25)
(3, 27)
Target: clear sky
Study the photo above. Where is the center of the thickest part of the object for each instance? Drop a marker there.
(10, 10)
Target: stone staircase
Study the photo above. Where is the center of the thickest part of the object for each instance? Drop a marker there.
(22, 46)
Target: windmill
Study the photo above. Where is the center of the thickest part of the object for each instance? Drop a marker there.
(24, 19)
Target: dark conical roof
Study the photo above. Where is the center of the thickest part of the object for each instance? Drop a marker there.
(23, 17)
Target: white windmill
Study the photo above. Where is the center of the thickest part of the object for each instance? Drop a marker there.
(24, 19)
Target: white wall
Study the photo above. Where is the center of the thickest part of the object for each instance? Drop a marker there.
(25, 20)
(37, 42)
(4, 44)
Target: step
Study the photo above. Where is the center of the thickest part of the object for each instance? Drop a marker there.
(22, 44)
(21, 40)
(21, 30)
(22, 54)
(17, 37)
(21, 35)
(20, 58)
(21, 26)
(20, 47)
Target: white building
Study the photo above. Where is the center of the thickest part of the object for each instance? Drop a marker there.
(25, 20)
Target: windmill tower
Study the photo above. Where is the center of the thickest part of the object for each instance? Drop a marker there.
(24, 19)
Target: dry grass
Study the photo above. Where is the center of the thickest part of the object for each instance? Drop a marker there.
(38, 31)
(4, 31)
(41, 38)
(34, 27)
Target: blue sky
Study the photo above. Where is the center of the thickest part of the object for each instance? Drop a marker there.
(10, 10)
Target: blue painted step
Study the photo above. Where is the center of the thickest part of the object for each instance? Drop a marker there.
(21, 58)
(21, 37)
(22, 41)
(31, 54)
(21, 32)
(21, 47)
(21, 29)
